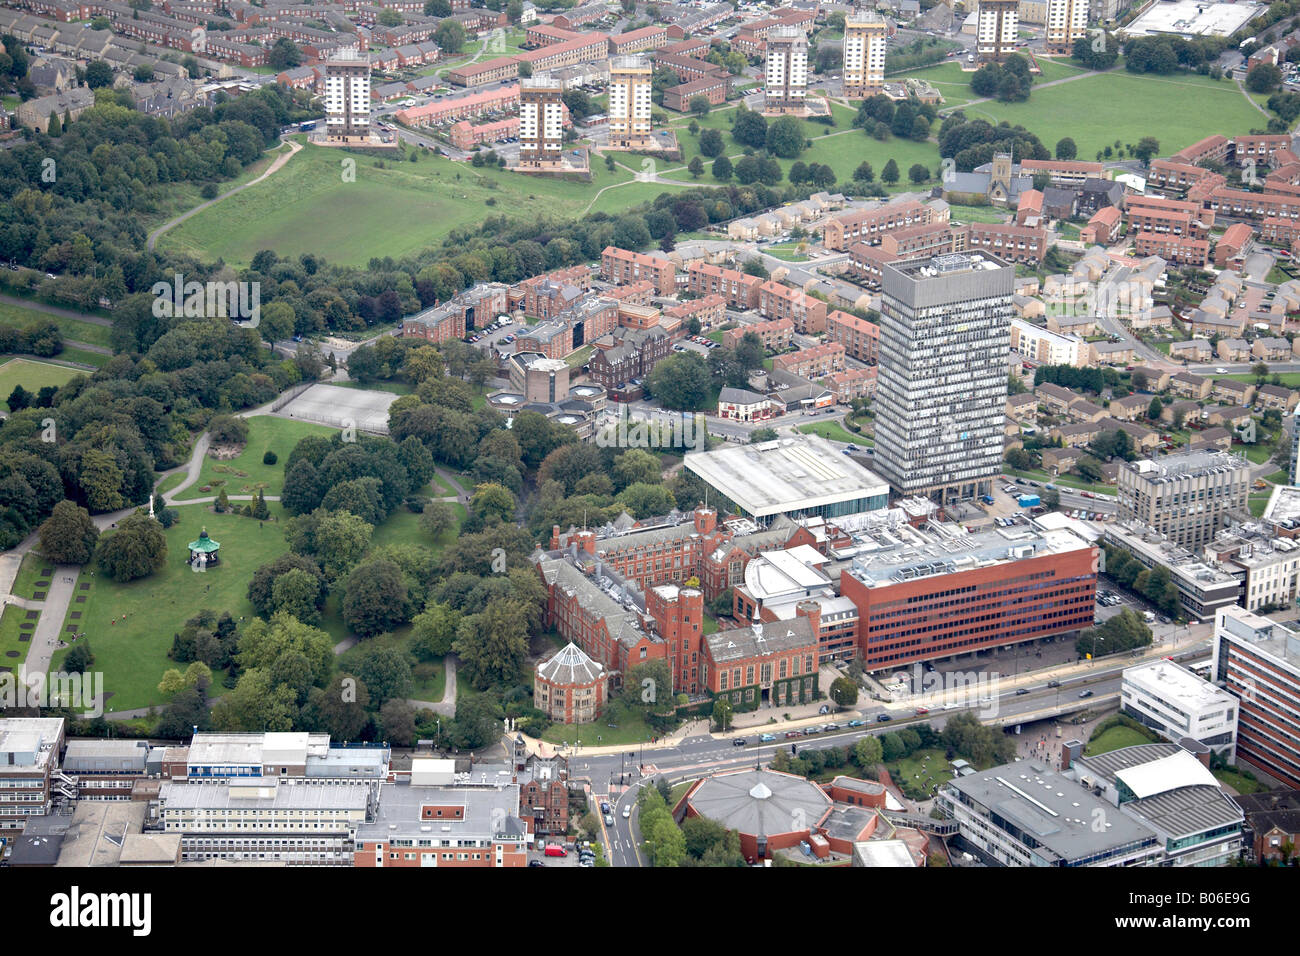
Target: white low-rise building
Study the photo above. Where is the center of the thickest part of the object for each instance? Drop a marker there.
(1174, 702)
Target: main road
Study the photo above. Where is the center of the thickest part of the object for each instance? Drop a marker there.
(619, 777)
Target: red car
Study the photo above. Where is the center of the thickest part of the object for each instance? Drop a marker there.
(922, 710)
(793, 733)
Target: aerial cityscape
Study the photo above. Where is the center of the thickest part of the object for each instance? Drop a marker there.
(631, 434)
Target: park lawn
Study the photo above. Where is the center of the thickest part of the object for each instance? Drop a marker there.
(1237, 780)
(168, 483)
(392, 208)
(1257, 504)
(833, 431)
(29, 581)
(1098, 110)
(13, 652)
(32, 375)
(403, 527)
(1278, 478)
(20, 317)
(615, 726)
(130, 626)
(245, 473)
(442, 487)
(1113, 739)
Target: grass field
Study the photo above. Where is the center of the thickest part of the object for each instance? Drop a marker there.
(391, 211)
(245, 474)
(13, 652)
(31, 375)
(130, 626)
(28, 581)
(20, 317)
(1289, 379)
(1098, 110)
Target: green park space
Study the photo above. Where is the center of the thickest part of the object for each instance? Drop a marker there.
(1095, 111)
(29, 580)
(245, 474)
(20, 317)
(168, 483)
(1278, 478)
(130, 625)
(390, 208)
(403, 527)
(442, 488)
(833, 431)
(181, 197)
(32, 375)
(842, 147)
(1257, 504)
(428, 679)
(13, 652)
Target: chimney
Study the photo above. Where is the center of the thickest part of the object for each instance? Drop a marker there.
(588, 541)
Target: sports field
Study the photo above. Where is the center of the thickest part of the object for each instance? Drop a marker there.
(32, 376)
(393, 208)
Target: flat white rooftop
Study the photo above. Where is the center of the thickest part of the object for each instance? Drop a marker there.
(1176, 684)
(786, 475)
(1188, 18)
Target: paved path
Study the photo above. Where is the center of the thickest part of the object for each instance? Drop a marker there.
(45, 638)
(280, 160)
(57, 311)
(447, 706)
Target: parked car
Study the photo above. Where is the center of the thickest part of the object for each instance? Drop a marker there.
(766, 738)
(857, 723)
(881, 718)
(792, 733)
(554, 849)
